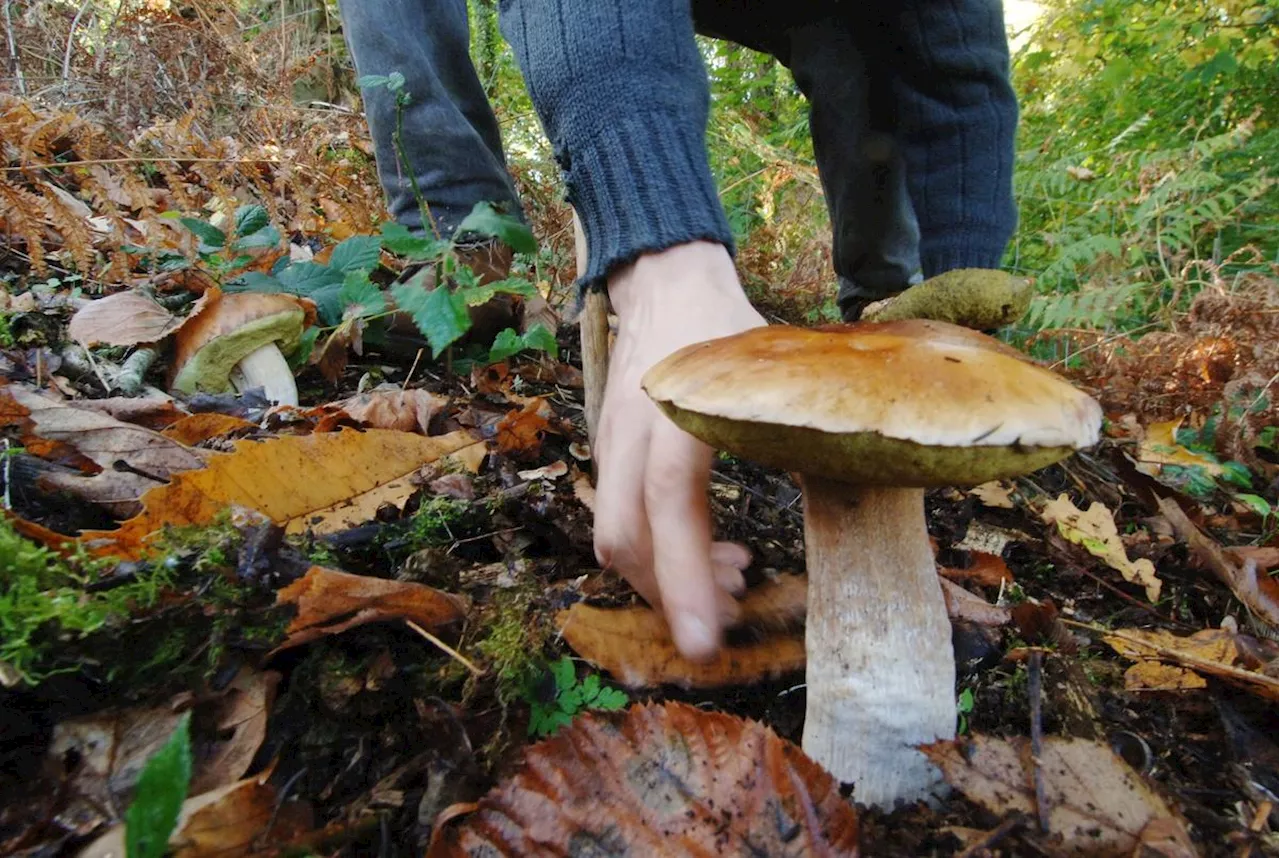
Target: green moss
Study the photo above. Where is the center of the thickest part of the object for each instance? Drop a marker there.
(512, 644)
(436, 522)
(6, 331)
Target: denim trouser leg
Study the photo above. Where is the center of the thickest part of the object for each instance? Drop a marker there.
(450, 135)
(875, 237)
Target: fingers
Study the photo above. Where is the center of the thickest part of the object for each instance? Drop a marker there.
(675, 496)
(730, 554)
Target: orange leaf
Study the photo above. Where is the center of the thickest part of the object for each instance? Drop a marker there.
(634, 644)
(987, 570)
(324, 482)
(196, 428)
(520, 432)
(669, 779)
(330, 602)
(389, 407)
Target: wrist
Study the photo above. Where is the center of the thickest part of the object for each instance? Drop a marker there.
(675, 278)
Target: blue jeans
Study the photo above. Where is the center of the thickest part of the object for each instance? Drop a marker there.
(848, 70)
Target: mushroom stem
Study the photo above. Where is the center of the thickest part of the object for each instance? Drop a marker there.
(266, 367)
(880, 671)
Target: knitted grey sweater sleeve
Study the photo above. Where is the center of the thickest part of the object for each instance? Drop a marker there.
(622, 94)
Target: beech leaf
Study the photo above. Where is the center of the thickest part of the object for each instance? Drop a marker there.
(1095, 530)
(666, 779)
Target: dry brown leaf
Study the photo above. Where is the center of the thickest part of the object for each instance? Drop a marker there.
(987, 570)
(241, 723)
(1095, 531)
(230, 821)
(150, 412)
(963, 605)
(1095, 802)
(128, 460)
(1156, 676)
(996, 494)
(1209, 652)
(197, 428)
(634, 644)
(122, 319)
(1256, 590)
(668, 780)
(389, 407)
(323, 481)
(329, 602)
(520, 433)
(1263, 556)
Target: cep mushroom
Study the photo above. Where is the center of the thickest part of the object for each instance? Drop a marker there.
(238, 342)
(869, 415)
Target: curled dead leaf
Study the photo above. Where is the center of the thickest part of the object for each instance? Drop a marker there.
(1209, 652)
(329, 602)
(1095, 530)
(520, 433)
(390, 407)
(667, 780)
(197, 428)
(1096, 803)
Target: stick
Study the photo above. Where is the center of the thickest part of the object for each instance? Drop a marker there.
(991, 838)
(1037, 739)
(444, 647)
(593, 325)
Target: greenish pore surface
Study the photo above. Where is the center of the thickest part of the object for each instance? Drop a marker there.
(863, 458)
(977, 298)
(209, 369)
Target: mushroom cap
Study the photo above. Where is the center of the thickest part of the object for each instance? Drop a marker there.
(907, 403)
(227, 327)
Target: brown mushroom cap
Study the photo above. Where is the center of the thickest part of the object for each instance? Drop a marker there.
(227, 328)
(904, 403)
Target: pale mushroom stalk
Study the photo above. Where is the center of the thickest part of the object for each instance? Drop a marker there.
(266, 367)
(878, 640)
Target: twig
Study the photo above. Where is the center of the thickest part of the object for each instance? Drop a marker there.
(1037, 738)
(416, 358)
(134, 370)
(71, 40)
(457, 656)
(992, 837)
(13, 49)
(8, 475)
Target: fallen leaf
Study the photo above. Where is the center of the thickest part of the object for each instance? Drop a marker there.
(1159, 448)
(123, 319)
(127, 460)
(987, 570)
(222, 823)
(1209, 652)
(321, 482)
(1154, 676)
(1257, 591)
(389, 407)
(241, 724)
(329, 602)
(996, 494)
(150, 412)
(1096, 803)
(469, 458)
(197, 428)
(963, 605)
(1263, 556)
(635, 646)
(1095, 530)
(554, 471)
(669, 779)
(520, 433)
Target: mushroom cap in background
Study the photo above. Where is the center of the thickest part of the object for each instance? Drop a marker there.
(229, 327)
(906, 403)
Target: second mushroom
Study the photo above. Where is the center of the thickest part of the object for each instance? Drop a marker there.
(870, 415)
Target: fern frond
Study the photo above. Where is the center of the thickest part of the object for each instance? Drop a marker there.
(18, 207)
(77, 238)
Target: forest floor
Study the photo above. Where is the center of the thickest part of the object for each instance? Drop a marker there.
(360, 601)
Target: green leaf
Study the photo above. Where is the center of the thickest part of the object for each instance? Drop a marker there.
(440, 316)
(1258, 504)
(372, 81)
(505, 344)
(610, 700)
(570, 700)
(965, 701)
(541, 339)
(162, 787)
(565, 675)
(1237, 474)
(590, 688)
(359, 291)
(357, 253)
(254, 281)
(395, 81)
(306, 345)
(304, 278)
(477, 295)
(210, 236)
(250, 219)
(397, 239)
(488, 221)
(266, 237)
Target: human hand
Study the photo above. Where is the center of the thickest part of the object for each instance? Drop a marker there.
(653, 523)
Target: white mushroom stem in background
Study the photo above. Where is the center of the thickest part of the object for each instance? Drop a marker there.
(880, 669)
(266, 368)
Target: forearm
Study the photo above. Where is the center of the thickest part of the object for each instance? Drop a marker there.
(622, 94)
